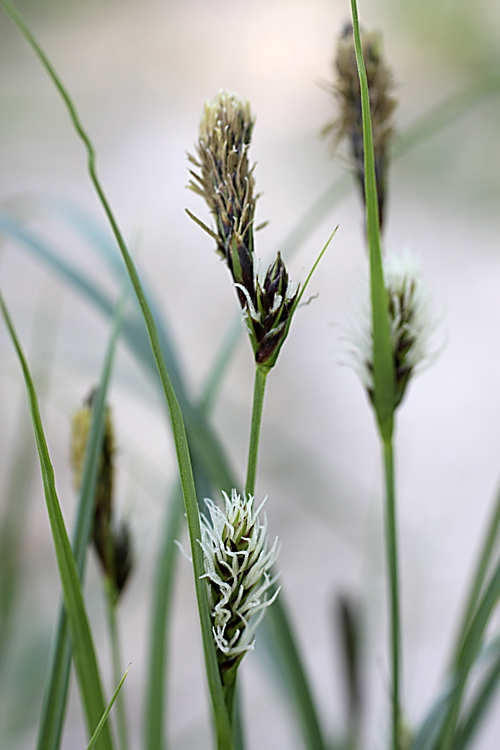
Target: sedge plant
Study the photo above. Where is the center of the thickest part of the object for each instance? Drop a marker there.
(233, 563)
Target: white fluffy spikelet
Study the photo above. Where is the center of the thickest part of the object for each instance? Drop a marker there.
(410, 319)
(237, 568)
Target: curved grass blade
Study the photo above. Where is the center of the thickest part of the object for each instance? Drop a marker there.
(221, 718)
(54, 703)
(83, 649)
(105, 715)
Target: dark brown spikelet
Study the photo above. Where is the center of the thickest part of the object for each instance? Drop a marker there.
(225, 180)
(112, 545)
(275, 301)
(349, 124)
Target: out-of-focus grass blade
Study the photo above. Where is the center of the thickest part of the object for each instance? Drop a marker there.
(56, 691)
(154, 715)
(443, 114)
(104, 718)
(468, 654)
(481, 702)
(202, 439)
(428, 733)
(56, 262)
(477, 585)
(83, 649)
(278, 639)
(19, 478)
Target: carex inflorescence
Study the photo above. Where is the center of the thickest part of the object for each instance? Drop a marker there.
(112, 542)
(224, 178)
(240, 584)
(349, 123)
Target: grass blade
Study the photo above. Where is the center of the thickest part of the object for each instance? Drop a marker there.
(54, 703)
(155, 695)
(184, 461)
(105, 715)
(469, 651)
(203, 441)
(482, 700)
(477, 585)
(18, 488)
(220, 713)
(383, 365)
(428, 734)
(83, 649)
(278, 639)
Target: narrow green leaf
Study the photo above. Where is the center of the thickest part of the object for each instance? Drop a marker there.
(83, 649)
(54, 702)
(17, 491)
(105, 715)
(469, 651)
(481, 702)
(184, 461)
(278, 639)
(478, 580)
(427, 735)
(203, 441)
(220, 714)
(155, 696)
(383, 365)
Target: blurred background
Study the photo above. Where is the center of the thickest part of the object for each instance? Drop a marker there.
(139, 73)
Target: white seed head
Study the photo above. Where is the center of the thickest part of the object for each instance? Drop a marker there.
(237, 568)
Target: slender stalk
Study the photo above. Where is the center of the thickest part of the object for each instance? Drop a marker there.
(253, 448)
(392, 564)
(114, 637)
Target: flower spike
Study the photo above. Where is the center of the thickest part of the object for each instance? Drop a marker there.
(238, 572)
(349, 123)
(225, 180)
(411, 325)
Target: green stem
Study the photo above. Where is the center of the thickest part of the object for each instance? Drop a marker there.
(261, 373)
(116, 660)
(392, 563)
